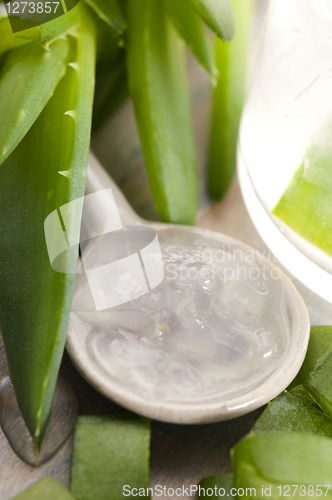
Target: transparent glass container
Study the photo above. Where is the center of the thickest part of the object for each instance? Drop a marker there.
(285, 141)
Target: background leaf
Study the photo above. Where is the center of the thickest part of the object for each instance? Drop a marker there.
(157, 82)
(228, 98)
(218, 15)
(109, 11)
(190, 28)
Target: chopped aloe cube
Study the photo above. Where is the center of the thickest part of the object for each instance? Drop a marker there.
(46, 488)
(319, 383)
(289, 413)
(320, 341)
(110, 452)
(221, 486)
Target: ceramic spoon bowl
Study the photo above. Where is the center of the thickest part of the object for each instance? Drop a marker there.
(208, 332)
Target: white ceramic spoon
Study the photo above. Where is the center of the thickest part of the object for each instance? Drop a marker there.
(204, 345)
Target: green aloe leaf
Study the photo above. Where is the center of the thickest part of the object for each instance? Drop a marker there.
(218, 15)
(157, 83)
(290, 414)
(59, 27)
(36, 72)
(111, 453)
(215, 487)
(300, 392)
(189, 26)
(35, 300)
(10, 40)
(320, 341)
(109, 11)
(308, 195)
(319, 383)
(45, 489)
(278, 459)
(46, 33)
(228, 99)
(112, 96)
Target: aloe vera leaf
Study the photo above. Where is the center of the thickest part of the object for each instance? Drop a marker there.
(290, 414)
(46, 33)
(109, 453)
(319, 383)
(35, 301)
(113, 95)
(157, 84)
(262, 461)
(308, 195)
(36, 73)
(59, 27)
(218, 15)
(45, 489)
(228, 99)
(319, 342)
(300, 392)
(189, 26)
(109, 11)
(221, 486)
(10, 40)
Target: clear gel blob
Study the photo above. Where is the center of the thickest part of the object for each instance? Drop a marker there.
(215, 328)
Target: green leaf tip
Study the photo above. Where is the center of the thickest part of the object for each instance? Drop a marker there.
(45, 489)
(218, 15)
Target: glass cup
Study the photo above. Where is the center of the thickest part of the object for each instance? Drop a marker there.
(285, 140)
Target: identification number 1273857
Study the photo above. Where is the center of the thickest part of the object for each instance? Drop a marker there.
(32, 7)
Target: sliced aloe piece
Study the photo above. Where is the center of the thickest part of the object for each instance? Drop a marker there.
(319, 383)
(215, 487)
(36, 72)
(157, 83)
(319, 342)
(300, 392)
(45, 489)
(218, 15)
(35, 301)
(306, 204)
(111, 455)
(271, 462)
(189, 26)
(290, 414)
(109, 11)
(228, 98)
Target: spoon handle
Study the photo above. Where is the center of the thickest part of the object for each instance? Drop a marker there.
(98, 179)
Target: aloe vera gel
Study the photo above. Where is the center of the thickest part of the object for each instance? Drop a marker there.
(217, 326)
